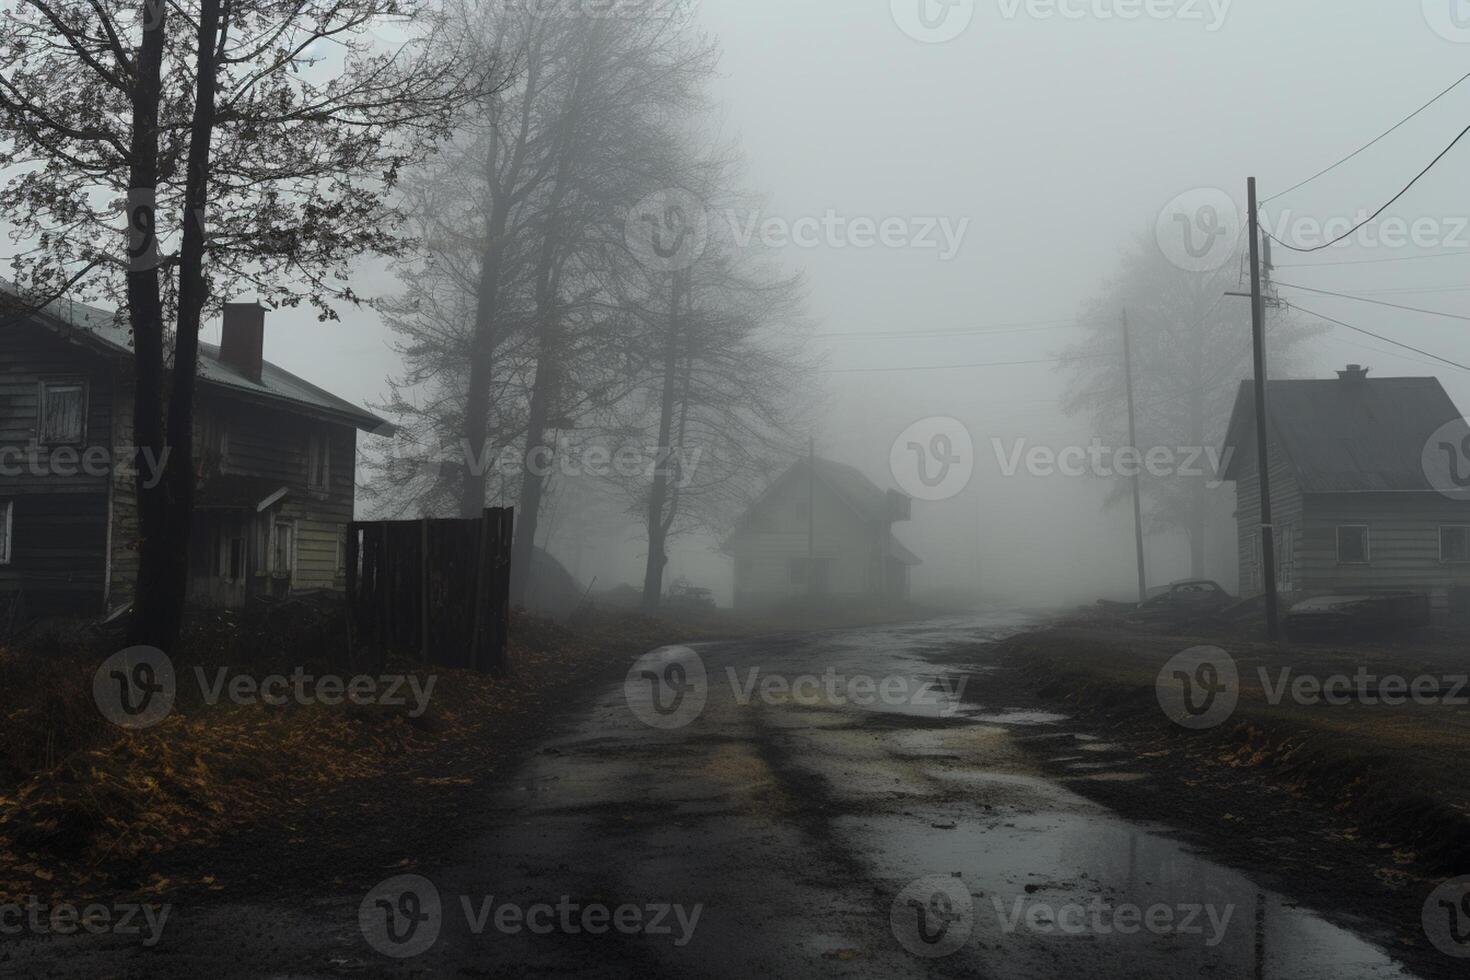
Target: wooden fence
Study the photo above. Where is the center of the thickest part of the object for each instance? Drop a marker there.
(437, 588)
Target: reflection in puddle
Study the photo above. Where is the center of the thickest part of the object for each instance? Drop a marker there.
(1106, 897)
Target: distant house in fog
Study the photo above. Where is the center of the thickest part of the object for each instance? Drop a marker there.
(855, 555)
(275, 458)
(1366, 488)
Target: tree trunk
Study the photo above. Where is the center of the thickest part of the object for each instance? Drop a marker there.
(156, 612)
(660, 516)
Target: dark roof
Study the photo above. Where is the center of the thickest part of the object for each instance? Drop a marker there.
(871, 503)
(109, 333)
(861, 493)
(1346, 435)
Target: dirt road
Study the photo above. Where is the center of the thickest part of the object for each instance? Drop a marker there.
(841, 804)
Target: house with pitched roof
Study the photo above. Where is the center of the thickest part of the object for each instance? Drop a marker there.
(275, 462)
(1370, 486)
(822, 529)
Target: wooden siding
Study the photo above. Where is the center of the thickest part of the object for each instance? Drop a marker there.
(58, 558)
(1403, 543)
(763, 551)
(1286, 513)
(75, 529)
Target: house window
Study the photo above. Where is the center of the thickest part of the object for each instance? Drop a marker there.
(62, 408)
(283, 549)
(7, 514)
(797, 568)
(318, 461)
(1352, 544)
(1454, 543)
(1285, 559)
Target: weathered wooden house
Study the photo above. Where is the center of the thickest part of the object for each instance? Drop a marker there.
(821, 529)
(275, 460)
(1362, 497)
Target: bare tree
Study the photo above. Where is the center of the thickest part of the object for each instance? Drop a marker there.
(1191, 348)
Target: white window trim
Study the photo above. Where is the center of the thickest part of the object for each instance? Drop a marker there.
(41, 387)
(7, 544)
(319, 443)
(290, 557)
(1448, 561)
(1367, 544)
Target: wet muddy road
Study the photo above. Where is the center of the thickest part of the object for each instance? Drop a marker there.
(829, 805)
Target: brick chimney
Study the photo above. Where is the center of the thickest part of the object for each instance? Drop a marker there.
(242, 340)
(1353, 372)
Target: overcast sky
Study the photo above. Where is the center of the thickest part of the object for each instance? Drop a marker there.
(1052, 134)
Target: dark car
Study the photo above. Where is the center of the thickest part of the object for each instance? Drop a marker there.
(1341, 615)
(684, 596)
(1190, 599)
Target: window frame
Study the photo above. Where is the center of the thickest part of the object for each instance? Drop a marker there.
(290, 571)
(1367, 558)
(319, 448)
(1454, 527)
(43, 387)
(7, 530)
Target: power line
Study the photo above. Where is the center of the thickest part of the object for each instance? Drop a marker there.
(1369, 145)
(1375, 302)
(957, 367)
(1032, 326)
(1397, 258)
(1375, 215)
(1379, 336)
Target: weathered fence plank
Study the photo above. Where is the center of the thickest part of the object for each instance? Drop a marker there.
(436, 588)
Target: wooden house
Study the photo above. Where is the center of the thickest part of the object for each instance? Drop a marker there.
(822, 530)
(1360, 495)
(275, 460)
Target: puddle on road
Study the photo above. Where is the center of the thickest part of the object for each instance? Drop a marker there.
(1016, 716)
(1056, 889)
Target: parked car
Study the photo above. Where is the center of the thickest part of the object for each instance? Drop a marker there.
(685, 596)
(1190, 599)
(1338, 615)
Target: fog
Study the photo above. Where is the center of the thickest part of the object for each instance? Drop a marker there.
(1054, 135)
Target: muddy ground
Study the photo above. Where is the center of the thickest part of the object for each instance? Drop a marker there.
(779, 832)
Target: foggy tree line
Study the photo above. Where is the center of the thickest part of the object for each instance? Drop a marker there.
(1191, 345)
(572, 299)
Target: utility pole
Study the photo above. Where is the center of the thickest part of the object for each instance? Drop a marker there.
(1133, 444)
(811, 516)
(1258, 341)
